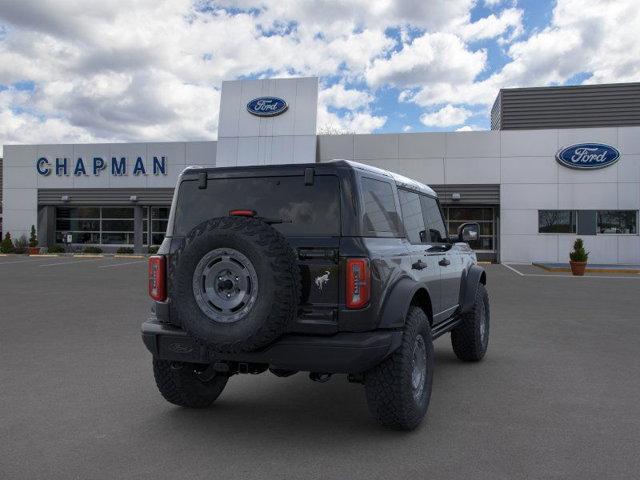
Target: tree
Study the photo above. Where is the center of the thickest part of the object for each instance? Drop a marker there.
(579, 254)
(33, 239)
(7, 244)
(332, 129)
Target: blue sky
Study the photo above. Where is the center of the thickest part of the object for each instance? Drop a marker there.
(77, 71)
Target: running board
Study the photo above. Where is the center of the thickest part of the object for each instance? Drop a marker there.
(444, 327)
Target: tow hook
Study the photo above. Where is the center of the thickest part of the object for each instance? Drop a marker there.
(320, 377)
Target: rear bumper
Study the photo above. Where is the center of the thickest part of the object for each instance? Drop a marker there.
(339, 353)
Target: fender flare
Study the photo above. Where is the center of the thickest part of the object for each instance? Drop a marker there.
(397, 302)
(470, 281)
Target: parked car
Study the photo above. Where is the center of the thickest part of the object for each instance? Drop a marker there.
(332, 268)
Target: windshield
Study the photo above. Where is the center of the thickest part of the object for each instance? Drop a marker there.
(304, 210)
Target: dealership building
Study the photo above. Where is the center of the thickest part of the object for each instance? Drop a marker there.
(559, 162)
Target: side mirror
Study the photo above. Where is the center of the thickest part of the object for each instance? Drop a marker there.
(468, 232)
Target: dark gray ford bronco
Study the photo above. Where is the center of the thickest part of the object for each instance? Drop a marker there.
(324, 268)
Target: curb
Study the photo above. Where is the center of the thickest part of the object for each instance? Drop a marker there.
(589, 270)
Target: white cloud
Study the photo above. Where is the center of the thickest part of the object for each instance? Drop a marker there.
(447, 116)
(338, 96)
(351, 122)
(151, 69)
(509, 20)
(358, 118)
(469, 128)
(432, 57)
(583, 37)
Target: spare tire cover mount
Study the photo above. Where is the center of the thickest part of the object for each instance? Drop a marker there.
(225, 285)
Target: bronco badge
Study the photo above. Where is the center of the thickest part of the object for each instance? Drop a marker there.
(322, 280)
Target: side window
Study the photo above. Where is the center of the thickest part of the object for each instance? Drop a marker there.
(433, 219)
(412, 216)
(380, 215)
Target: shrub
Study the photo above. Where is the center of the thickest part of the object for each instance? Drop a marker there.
(21, 244)
(92, 250)
(153, 249)
(33, 238)
(7, 244)
(124, 250)
(579, 254)
(56, 249)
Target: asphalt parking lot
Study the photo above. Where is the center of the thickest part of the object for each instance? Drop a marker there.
(558, 395)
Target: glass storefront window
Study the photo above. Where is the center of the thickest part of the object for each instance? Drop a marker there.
(78, 212)
(78, 224)
(79, 237)
(110, 225)
(618, 221)
(117, 238)
(159, 220)
(117, 225)
(556, 221)
(117, 212)
(95, 225)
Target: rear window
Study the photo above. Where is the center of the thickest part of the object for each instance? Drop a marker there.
(306, 210)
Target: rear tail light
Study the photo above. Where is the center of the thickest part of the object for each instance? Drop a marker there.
(242, 213)
(358, 282)
(158, 278)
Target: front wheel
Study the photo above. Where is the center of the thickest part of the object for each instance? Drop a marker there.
(399, 389)
(180, 384)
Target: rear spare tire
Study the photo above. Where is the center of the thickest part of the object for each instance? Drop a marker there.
(236, 283)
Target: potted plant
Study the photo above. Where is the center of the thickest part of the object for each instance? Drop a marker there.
(578, 258)
(7, 244)
(33, 242)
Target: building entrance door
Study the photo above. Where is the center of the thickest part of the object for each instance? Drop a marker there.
(486, 247)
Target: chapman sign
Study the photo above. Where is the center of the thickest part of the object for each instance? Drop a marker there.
(267, 106)
(588, 156)
(96, 165)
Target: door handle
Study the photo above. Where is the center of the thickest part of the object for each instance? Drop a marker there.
(419, 265)
(444, 262)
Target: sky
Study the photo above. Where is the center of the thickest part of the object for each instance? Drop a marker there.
(75, 71)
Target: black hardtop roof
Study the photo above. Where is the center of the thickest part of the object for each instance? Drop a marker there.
(299, 168)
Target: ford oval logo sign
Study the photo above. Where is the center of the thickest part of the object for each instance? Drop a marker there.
(267, 106)
(588, 156)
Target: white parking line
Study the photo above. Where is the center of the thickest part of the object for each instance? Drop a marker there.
(21, 261)
(513, 269)
(70, 263)
(121, 264)
(565, 276)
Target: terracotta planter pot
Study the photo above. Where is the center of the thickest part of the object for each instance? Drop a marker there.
(578, 268)
(34, 250)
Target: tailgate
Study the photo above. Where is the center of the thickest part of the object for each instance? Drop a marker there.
(320, 274)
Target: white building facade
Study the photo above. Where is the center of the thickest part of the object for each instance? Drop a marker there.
(530, 206)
